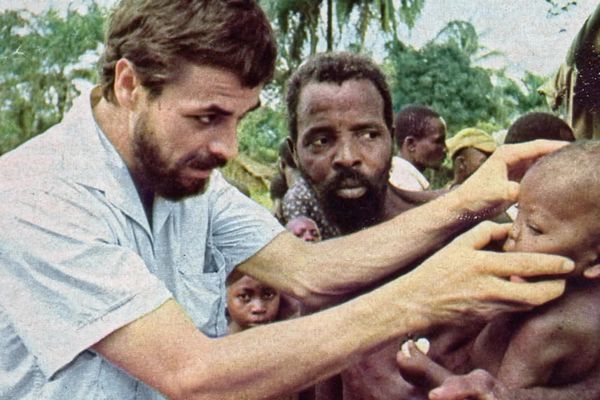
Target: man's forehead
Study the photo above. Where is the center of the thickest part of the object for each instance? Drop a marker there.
(316, 95)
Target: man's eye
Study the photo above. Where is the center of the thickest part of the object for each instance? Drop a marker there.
(534, 229)
(370, 134)
(206, 119)
(319, 143)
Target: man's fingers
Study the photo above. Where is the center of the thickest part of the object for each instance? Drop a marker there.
(519, 157)
(532, 293)
(525, 264)
(513, 154)
(481, 235)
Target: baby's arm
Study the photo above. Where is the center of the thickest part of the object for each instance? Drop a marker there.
(480, 385)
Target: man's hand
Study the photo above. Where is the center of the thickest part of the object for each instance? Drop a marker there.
(477, 385)
(494, 185)
(462, 282)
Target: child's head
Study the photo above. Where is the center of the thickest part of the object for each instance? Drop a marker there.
(559, 207)
(251, 302)
(538, 125)
(304, 228)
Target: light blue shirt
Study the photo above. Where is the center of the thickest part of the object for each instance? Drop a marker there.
(78, 260)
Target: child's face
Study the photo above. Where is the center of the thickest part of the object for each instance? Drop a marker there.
(252, 303)
(550, 221)
(304, 228)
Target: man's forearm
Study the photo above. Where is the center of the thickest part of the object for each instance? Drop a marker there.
(165, 350)
(352, 262)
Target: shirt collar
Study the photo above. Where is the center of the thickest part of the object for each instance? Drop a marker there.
(96, 162)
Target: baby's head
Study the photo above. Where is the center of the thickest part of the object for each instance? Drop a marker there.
(250, 302)
(304, 228)
(559, 206)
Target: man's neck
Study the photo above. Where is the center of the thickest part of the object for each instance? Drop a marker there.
(113, 120)
(408, 157)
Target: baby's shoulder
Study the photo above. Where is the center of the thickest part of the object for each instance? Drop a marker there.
(568, 318)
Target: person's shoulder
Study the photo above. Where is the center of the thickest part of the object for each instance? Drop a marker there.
(564, 320)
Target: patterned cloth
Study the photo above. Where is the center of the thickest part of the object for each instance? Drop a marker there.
(301, 200)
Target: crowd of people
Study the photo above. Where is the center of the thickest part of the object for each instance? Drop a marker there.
(131, 269)
(337, 147)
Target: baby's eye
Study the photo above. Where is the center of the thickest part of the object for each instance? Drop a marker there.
(534, 229)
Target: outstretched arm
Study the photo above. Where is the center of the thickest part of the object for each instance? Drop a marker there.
(165, 350)
(323, 273)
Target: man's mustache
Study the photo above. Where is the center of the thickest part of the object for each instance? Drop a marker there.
(203, 162)
(346, 176)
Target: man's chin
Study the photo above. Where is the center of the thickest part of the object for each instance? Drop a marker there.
(182, 190)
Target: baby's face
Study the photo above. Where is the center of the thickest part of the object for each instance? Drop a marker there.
(550, 222)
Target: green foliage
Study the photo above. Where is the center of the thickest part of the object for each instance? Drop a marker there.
(261, 132)
(444, 75)
(38, 66)
(299, 24)
(441, 76)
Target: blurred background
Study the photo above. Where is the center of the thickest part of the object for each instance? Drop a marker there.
(479, 63)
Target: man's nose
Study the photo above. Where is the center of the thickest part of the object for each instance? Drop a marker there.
(347, 155)
(224, 144)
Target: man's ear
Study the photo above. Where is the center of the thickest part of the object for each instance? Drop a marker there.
(127, 85)
(292, 148)
(410, 143)
(459, 162)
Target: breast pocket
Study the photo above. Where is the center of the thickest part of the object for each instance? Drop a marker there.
(203, 293)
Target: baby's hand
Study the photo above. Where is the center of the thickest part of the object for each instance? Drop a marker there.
(417, 368)
(477, 385)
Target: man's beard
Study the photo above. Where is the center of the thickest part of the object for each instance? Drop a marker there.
(351, 215)
(152, 172)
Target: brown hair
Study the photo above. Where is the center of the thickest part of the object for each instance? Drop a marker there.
(156, 35)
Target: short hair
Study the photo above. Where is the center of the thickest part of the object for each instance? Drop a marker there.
(156, 35)
(576, 168)
(336, 68)
(538, 125)
(411, 120)
(285, 154)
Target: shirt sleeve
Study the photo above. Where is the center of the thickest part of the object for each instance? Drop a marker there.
(66, 281)
(240, 227)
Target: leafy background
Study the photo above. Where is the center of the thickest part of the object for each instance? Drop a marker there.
(45, 58)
